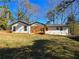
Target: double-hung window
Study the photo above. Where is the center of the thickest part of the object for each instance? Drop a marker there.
(25, 28)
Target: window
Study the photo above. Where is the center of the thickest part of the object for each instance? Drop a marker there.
(25, 28)
(61, 28)
(57, 28)
(14, 28)
(46, 28)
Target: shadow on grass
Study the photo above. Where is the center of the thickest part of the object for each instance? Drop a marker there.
(41, 49)
(76, 38)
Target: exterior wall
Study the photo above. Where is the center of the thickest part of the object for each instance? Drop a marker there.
(20, 28)
(53, 31)
(36, 28)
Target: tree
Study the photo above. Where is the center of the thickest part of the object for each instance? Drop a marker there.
(64, 5)
(3, 23)
(6, 16)
(73, 25)
(20, 15)
(50, 16)
(71, 18)
(26, 9)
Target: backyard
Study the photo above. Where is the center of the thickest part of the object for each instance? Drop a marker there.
(39, 29)
(50, 46)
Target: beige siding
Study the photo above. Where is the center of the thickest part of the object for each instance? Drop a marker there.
(54, 31)
(20, 28)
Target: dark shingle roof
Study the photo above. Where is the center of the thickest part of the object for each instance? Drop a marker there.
(37, 23)
(20, 21)
(56, 25)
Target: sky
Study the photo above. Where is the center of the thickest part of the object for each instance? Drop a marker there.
(44, 7)
(39, 9)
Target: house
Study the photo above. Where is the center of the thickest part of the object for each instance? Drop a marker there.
(37, 28)
(20, 27)
(23, 27)
(57, 29)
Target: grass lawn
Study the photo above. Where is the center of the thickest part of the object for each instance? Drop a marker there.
(12, 40)
(57, 46)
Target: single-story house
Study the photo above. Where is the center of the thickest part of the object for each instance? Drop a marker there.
(23, 27)
(20, 27)
(57, 29)
(39, 28)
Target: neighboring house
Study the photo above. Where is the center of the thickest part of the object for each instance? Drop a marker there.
(38, 28)
(57, 30)
(20, 27)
